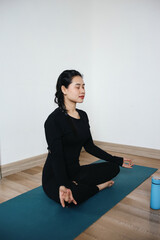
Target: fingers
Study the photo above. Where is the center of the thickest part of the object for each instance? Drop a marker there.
(127, 163)
(62, 201)
(130, 164)
(127, 160)
(111, 183)
(71, 197)
(65, 195)
(127, 166)
(62, 194)
(74, 202)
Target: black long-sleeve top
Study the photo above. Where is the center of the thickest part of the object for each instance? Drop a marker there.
(65, 136)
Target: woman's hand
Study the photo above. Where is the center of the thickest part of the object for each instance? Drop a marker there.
(65, 194)
(127, 163)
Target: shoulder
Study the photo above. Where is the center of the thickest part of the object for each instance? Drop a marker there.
(55, 117)
(83, 114)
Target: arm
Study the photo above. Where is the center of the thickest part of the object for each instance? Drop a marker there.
(53, 137)
(91, 148)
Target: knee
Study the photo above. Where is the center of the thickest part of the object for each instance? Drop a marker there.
(115, 168)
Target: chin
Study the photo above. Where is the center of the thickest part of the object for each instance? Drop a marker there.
(80, 101)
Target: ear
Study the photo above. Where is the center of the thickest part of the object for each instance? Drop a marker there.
(63, 89)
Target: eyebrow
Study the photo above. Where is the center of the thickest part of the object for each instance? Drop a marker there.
(80, 84)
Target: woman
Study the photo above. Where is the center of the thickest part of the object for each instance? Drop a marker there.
(67, 129)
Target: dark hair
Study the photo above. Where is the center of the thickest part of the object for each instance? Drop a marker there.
(64, 79)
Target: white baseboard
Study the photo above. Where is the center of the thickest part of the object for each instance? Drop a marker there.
(21, 165)
(133, 150)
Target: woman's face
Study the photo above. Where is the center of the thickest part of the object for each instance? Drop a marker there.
(76, 90)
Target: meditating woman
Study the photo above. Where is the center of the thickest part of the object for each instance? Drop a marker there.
(67, 130)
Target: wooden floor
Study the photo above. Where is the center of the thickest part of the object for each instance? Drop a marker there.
(131, 218)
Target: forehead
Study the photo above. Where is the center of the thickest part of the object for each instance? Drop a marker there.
(77, 80)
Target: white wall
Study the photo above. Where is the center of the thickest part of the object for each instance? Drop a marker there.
(39, 39)
(114, 43)
(126, 76)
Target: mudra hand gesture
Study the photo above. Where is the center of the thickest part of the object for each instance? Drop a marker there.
(127, 163)
(65, 194)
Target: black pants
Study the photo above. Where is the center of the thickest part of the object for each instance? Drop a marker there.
(88, 177)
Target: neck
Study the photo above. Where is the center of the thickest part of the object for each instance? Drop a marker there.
(70, 106)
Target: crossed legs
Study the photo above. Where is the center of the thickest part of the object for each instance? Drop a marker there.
(90, 180)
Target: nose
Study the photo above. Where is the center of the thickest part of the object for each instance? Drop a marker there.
(82, 91)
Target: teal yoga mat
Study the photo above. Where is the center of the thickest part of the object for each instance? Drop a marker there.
(33, 216)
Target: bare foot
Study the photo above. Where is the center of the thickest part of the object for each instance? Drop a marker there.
(105, 185)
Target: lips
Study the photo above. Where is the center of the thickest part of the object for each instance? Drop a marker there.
(81, 96)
